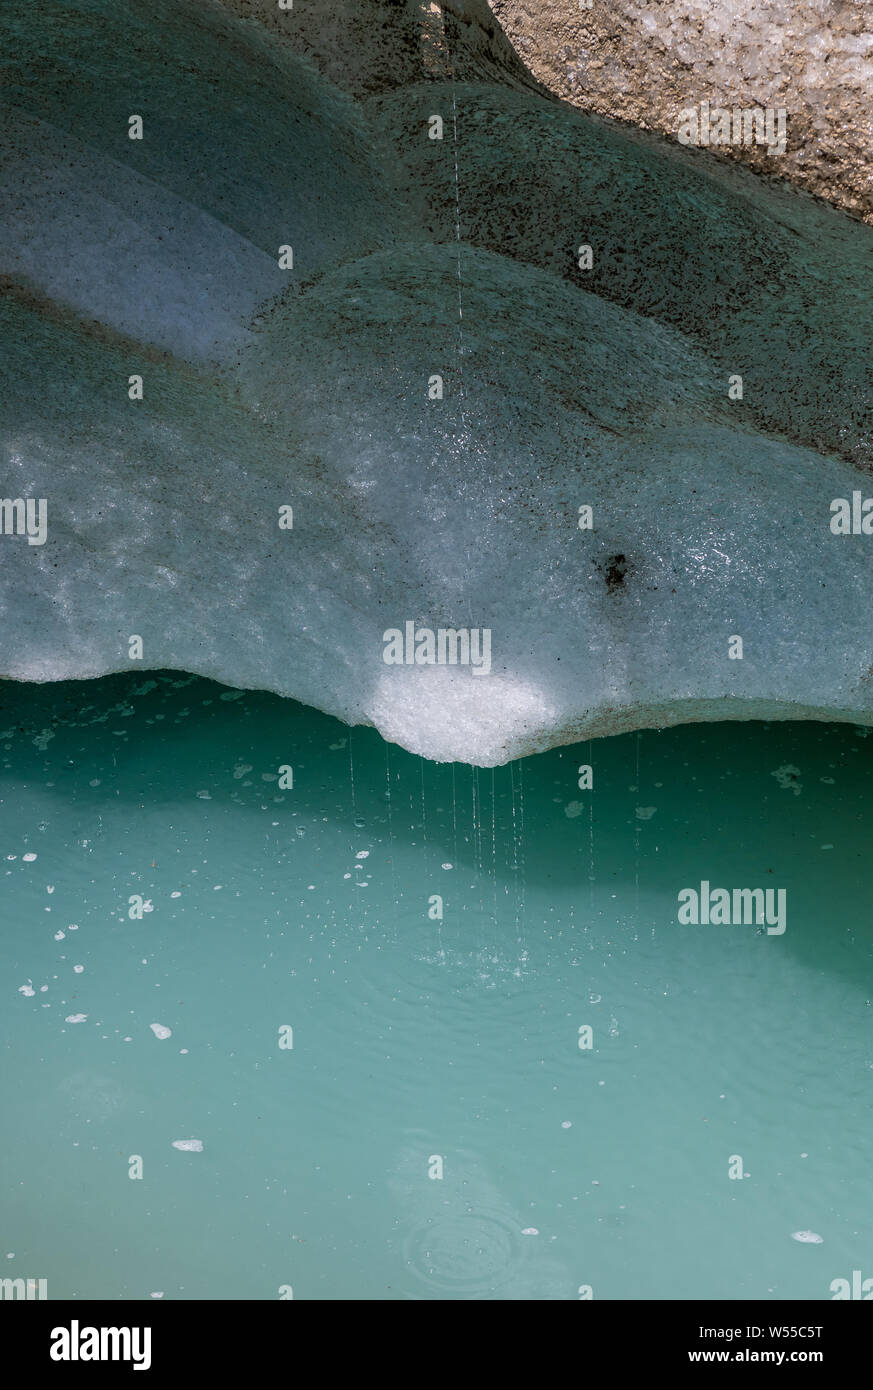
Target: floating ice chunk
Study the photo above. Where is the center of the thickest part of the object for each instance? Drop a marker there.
(189, 1146)
(27, 990)
(28, 858)
(787, 777)
(530, 1231)
(808, 1238)
(160, 1031)
(75, 1018)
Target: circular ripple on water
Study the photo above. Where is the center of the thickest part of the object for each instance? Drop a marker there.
(470, 1253)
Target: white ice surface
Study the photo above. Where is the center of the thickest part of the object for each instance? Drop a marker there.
(711, 517)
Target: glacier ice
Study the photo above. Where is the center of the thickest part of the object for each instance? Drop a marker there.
(313, 388)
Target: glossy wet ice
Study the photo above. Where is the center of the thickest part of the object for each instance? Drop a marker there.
(415, 1039)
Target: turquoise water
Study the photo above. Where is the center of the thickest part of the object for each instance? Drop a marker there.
(416, 1038)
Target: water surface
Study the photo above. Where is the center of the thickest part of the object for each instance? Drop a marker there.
(311, 908)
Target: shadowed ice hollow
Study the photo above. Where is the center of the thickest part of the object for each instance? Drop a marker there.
(430, 382)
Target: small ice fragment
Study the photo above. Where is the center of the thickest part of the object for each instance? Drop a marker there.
(27, 990)
(565, 1124)
(807, 1238)
(75, 1018)
(160, 1031)
(363, 854)
(28, 858)
(189, 1146)
(787, 778)
(204, 796)
(78, 969)
(645, 812)
(448, 866)
(530, 1231)
(157, 1295)
(59, 935)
